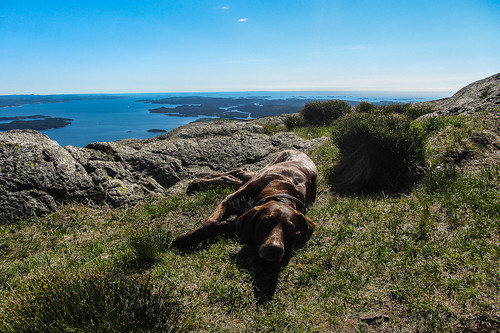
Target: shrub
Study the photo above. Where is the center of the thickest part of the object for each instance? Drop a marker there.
(365, 107)
(378, 152)
(408, 109)
(324, 112)
(90, 301)
(434, 124)
(395, 108)
(271, 129)
(294, 121)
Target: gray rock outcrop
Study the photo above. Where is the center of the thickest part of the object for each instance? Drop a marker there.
(37, 174)
(480, 95)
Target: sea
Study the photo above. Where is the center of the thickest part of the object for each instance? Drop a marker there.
(101, 120)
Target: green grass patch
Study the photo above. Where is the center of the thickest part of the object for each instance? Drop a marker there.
(313, 132)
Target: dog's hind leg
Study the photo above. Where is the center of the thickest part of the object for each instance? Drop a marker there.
(235, 177)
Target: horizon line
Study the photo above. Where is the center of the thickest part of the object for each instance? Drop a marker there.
(385, 91)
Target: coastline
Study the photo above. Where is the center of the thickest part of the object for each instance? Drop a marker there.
(80, 120)
(21, 100)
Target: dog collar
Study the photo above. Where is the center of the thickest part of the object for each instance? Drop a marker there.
(286, 196)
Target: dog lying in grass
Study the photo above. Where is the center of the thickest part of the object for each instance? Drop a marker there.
(270, 206)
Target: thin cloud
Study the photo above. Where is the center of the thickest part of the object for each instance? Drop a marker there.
(224, 7)
(353, 48)
(242, 20)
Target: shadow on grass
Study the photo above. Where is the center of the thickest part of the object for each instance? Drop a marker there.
(265, 274)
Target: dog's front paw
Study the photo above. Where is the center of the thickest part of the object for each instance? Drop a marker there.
(183, 242)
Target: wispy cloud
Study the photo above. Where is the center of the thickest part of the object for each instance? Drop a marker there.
(242, 20)
(224, 7)
(353, 48)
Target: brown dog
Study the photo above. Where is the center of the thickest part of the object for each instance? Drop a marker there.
(271, 207)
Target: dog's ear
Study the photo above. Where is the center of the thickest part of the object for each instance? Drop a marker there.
(245, 226)
(305, 227)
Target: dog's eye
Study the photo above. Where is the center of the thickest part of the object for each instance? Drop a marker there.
(289, 228)
(268, 220)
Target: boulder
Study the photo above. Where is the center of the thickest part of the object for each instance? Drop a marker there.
(36, 173)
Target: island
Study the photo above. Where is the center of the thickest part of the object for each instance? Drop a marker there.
(229, 108)
(157, 130)
(19, 100)
(40, 122)
(36, 122)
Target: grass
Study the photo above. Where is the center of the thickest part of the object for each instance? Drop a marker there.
(426, 260)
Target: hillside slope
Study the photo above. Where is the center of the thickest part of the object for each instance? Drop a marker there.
(480, 95)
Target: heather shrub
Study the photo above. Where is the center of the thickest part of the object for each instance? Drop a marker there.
(365, 107)
(408, 109)
(324, 112)
(415, 112)
(90, 301)
(378, 152)
(294, 121)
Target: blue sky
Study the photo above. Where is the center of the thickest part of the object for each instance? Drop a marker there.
(109, 46)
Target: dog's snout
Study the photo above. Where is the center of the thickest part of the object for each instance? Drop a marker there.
(272, 250)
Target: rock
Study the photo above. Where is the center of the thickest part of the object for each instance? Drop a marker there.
(477, 96)
(374, 317)
(37, 175)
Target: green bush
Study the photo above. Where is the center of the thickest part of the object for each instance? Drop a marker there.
(324, 112)
(415, 112)
(294, 121)
(395, 108)
(90, 301)
(434, 124)
(408, 109)
(365, 107)
(378, 152)
(271, 129)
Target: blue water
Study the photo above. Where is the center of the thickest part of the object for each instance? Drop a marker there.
(115, 119)
(100, 120)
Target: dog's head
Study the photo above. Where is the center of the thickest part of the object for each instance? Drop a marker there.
(273, 227)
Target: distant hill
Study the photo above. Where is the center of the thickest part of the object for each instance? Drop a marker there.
(18, 100)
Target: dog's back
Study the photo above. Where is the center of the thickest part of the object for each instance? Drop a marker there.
(297, 167)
